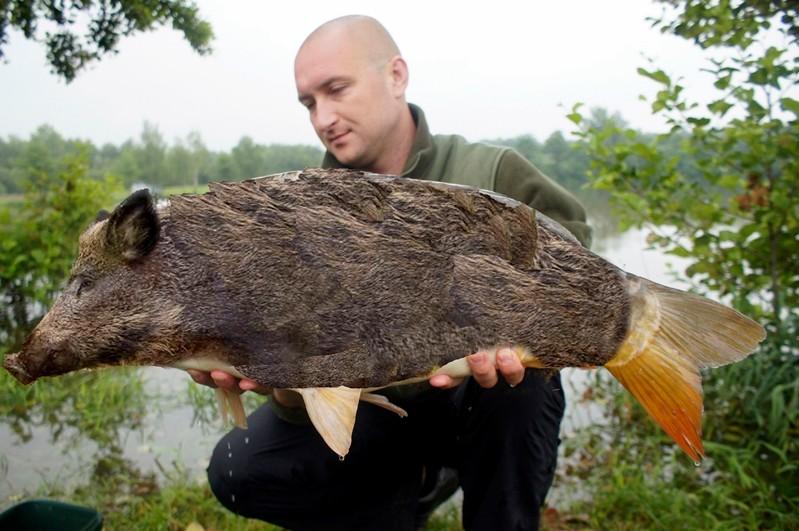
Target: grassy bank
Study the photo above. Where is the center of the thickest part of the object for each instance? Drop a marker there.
(10, 199)
(185, 189)
(140, 504)
(631, 476)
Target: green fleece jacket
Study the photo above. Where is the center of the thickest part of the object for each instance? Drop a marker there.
(450, 158)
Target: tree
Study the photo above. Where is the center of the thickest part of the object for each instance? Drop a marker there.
(248, 158)
(186, 161)
(201, 159)
(735, 217)
(725, 201)
(39, 237)
(69, 49)
(151, 156)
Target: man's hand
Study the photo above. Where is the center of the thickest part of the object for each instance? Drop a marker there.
(226, 381)
(484, 372)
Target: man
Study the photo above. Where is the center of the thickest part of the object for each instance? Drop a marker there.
(500, 434)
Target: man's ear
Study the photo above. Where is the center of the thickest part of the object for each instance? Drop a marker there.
(398, 70)
(133, 227)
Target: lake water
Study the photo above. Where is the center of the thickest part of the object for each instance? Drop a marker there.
(168, 433)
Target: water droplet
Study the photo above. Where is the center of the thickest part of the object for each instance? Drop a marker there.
(233, 498)
(697, 463)
(246, 440)
(230, 473)
(228, 445)
(230, 454)
(341, 458)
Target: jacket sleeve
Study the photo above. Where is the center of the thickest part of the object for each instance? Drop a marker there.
(521, 180)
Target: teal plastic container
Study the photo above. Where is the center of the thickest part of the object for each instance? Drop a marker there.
(50, 515)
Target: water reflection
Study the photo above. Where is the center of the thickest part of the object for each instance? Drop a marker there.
(68, 431)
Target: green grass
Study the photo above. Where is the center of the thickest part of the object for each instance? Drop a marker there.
(10, 199)
(167, 191)
(16, 199)
(185, 189)
(629, 475)
(130, 501)
(98, 404)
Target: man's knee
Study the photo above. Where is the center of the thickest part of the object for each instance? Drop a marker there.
(260, 472)
(226, 477)
(539, 395)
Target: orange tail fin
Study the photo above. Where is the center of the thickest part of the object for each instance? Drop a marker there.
(672, 335)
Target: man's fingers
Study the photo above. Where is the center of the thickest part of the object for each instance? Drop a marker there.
(255, 387)
(444, 381)
(510, 366)
(224, 380)
(483, 371)
(201, 377)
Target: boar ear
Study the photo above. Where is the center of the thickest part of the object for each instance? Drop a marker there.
(102, 215)
(133, 226)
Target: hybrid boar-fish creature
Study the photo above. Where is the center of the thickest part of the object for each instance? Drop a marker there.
(336, 283)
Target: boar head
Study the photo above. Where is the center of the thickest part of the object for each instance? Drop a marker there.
(107, 309)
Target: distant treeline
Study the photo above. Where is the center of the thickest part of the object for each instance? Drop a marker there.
(151, 160)
(148, 159)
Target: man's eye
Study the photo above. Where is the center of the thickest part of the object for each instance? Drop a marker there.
(337, 89)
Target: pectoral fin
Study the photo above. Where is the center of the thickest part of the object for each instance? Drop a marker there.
(385, 403)
(332, 412)
(229, 401)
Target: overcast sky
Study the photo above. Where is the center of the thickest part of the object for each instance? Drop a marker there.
(480, 69)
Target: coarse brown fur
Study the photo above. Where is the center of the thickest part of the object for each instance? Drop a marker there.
(328, 278)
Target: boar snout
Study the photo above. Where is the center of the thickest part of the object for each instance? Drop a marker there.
(35, 361)
(12, 364)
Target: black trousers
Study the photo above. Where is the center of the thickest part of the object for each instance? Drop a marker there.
(503, 442)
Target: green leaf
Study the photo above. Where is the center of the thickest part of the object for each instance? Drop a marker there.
(790, 105)
(682, 252)
(754, 108)
(655, 75)
(719, 107)
(729, 181)
(723, 82)
(698, 122)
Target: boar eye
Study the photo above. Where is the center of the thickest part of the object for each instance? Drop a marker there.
(83, 284)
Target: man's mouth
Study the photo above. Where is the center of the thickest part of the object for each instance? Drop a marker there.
(338, 138)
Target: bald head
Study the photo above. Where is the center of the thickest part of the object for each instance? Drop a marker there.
(363, 35)
(352, 79)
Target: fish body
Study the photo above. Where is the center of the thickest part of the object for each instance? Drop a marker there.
(334, 281)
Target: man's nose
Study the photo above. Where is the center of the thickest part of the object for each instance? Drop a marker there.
(325, 116)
